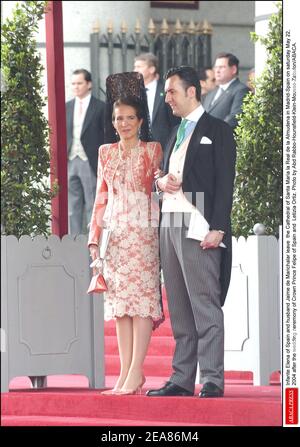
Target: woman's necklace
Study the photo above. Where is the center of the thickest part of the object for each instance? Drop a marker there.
(127, 151)
(129, 163)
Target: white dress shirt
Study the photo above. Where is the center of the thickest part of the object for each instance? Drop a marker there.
(222, 88)
(225, 86)
(151, 91)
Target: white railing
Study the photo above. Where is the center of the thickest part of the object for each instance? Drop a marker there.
(49, 325)
(252, 308)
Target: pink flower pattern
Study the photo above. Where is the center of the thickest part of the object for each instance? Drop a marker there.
(131, 267)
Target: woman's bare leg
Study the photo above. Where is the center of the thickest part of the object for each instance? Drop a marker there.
(124, 329)
(142, 329)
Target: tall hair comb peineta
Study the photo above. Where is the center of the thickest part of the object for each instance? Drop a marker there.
(124, 85)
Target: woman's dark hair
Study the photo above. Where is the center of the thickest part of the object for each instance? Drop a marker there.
(188, 76)
(126, 88)
(133, 102)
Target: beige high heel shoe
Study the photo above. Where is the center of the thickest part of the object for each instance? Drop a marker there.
(137, 390)
(111, 392)
(114, 390)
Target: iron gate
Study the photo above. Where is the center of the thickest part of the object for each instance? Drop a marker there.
(182, 45)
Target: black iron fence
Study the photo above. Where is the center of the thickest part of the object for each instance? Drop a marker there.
(175, 45)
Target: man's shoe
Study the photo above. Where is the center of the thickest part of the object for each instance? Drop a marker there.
(169, 389)
(209, 389)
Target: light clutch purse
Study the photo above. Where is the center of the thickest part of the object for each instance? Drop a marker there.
(98, 284)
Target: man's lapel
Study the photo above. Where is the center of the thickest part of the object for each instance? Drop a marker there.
(169, 148)
(220, 99)
(223, 95)
(194, 144)
(70, 115)
(159, 96)
(89, 115)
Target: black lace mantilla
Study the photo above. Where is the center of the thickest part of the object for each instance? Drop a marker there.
(124, 85)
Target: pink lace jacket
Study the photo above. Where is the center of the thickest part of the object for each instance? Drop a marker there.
(145, 159)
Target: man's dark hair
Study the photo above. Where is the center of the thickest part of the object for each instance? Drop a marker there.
(188, 76)
(232, 59)
(202, 74)
(86, 74)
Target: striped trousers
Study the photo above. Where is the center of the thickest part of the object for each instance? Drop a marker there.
(192, 283)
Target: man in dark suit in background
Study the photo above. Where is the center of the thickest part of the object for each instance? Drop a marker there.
(161, 116)
(225, 101)
(197, 186)
(207, 81)
(85, 133)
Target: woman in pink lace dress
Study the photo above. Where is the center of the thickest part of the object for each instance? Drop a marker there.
(131, 268)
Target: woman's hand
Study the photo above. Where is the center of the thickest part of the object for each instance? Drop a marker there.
(158, 173)
(97, 264)
(94, 251)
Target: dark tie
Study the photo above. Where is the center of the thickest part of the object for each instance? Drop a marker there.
(217, 95)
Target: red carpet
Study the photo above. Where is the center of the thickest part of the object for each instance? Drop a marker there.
(68, 402)
(243, 405)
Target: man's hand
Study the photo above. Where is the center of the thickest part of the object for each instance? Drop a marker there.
(212, 240)
(169, 184)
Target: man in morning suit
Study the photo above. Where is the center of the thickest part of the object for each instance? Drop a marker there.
(161, 116)
(225, 101)
(85, 133)
(197, 183)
